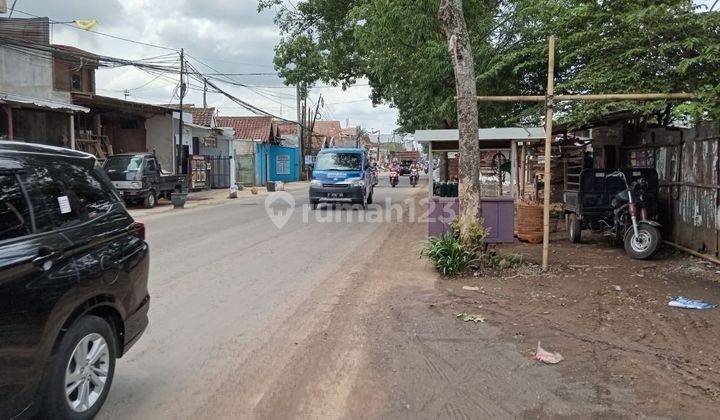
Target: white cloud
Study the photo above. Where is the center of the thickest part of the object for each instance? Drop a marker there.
(228, 35)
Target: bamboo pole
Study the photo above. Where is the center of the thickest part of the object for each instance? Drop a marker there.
(523, 175)
(624, 97)
(693, 253)
(594, 97)
(548, 151)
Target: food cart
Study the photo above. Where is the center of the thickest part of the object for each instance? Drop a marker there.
(498, 152)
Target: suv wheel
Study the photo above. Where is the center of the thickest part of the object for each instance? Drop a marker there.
(81, 371)
(150, 200)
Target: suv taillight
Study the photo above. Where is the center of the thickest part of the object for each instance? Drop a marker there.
(138, 230)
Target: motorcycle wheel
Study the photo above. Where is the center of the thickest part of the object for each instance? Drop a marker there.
(574, 228)
(645, 244)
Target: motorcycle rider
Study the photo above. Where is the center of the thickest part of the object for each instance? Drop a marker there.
(394, 168)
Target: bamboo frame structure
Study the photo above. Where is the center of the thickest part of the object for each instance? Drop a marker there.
(549, 99)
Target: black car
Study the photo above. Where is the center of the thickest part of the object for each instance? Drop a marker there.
(73, 282)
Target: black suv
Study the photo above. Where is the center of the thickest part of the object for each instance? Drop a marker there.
(73, 282)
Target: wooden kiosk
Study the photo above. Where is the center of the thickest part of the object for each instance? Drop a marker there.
(498, 208)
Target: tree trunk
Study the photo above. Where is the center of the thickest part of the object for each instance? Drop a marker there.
(453, 22)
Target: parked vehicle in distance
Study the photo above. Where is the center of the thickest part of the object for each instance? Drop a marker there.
(73, 282)
(139, 178)
(619, 203)
(407, 158)
(342, 175)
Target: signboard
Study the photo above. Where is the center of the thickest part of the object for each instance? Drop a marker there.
(309, 159)
(198, 173)
(282, 164)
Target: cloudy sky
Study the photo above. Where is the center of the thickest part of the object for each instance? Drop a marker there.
(226, 36)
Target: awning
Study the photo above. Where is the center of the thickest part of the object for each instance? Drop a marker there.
(109, 104)
(484, 134)
(13, 98)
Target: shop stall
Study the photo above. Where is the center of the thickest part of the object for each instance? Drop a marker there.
(499, 177)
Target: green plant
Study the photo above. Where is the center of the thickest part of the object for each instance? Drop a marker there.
(447, 254)
(502, 262)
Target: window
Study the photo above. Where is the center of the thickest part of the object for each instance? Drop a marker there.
(123, 164)
(64, 194)
(331, 161)
(14, 212)
(150, 166)
(75, 82)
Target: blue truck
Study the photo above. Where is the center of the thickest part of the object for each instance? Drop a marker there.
(342, 175)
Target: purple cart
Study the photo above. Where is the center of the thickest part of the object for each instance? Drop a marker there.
(498, 214)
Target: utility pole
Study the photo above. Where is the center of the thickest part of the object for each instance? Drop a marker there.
(178, 164)
(301, 125)
(204, 92)
(126, 93)
(317, 108)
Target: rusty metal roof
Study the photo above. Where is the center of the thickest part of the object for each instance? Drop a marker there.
(13, 98)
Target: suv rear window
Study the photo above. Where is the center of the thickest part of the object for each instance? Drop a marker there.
(64, 193)
(14, 212)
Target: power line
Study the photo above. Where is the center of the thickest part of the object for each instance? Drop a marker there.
(101, 33)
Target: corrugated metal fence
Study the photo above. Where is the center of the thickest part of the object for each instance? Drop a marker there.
(687, 164)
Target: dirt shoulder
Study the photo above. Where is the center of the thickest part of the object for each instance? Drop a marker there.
(379, 339)
(608, 316)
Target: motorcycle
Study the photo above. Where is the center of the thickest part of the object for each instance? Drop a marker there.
(394, 178)
(627, 215)
(631, 223)
(414, 176)
(374, 175)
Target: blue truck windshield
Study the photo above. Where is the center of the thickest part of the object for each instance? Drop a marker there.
(339, 162)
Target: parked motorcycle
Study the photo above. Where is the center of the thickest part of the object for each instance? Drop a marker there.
(414, 177)
(625, 211)
(394, 178)
(631, 223)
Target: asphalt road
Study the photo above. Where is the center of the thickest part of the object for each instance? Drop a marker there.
(223, 280)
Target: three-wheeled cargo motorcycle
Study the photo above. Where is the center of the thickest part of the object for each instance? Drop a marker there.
(618, 203)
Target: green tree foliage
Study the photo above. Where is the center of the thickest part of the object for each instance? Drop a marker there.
(615, 46)
(611, 46)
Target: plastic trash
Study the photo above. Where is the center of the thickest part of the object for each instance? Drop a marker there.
(683, 302)
(470, 317)
(547, 357)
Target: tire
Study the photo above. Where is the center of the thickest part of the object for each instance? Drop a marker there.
(150, 200)
(647, 245)
(574, 228)
(93, 331)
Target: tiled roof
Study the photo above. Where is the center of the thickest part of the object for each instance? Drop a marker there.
(327, 129)
(202, 116)
(248, 128)
(349, 132)
(286, 128)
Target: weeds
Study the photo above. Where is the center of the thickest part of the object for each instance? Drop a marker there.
(447, 254)
(495, 260)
